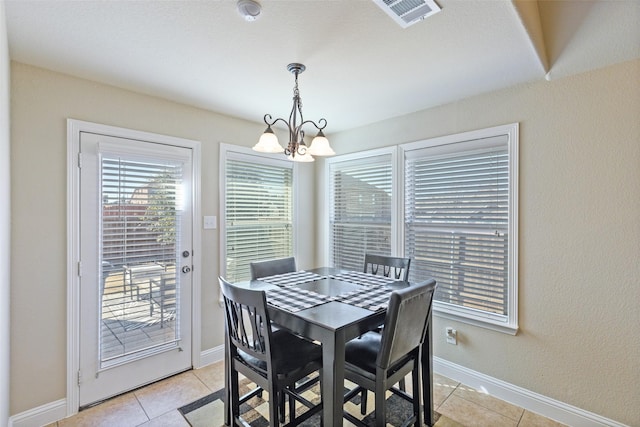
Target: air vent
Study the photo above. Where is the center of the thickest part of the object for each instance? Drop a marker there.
(408, 12)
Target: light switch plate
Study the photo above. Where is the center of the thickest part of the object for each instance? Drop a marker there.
(210, 222)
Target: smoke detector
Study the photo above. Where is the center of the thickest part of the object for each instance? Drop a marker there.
(408, 12)
(249, 9)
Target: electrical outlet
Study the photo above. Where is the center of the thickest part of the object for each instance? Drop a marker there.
(452, 336)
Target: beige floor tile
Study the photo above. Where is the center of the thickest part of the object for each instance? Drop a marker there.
(447, 422)
(529, 419)
(209, 415)
(172, 393)
(170, 419)
(121, 411)
(212, 375)
(489, 402)
(471, 414)
(442, 388)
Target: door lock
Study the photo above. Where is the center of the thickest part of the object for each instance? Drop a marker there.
(185, 254)
(186, 269)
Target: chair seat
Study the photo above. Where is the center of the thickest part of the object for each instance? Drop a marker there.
(361, 354)
(292, 356)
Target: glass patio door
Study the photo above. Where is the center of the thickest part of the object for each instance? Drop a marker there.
(135, 245)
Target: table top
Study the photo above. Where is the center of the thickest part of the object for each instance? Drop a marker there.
(327, 297)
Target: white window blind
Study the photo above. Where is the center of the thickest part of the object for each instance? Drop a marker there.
(360, 210)
(140, 227)
(457, 224)
(140, 220)
(258, 213)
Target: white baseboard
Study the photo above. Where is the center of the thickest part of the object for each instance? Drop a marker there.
(212, 355)
(534, 402)
(40, 416)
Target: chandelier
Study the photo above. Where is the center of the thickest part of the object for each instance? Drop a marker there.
(296, 150)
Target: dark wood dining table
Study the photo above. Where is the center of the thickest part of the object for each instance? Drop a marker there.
(333, 324)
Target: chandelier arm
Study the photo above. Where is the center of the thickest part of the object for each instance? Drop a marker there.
(271, 121)
(319, 126)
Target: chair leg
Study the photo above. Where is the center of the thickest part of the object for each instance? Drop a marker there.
(381, 413)
(417, 395)
(235, 397)
(292, 407)
(281, 409)
(274, 405)
(363, 401)
(402, 385)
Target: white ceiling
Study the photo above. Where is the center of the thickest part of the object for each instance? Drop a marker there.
(362, 67)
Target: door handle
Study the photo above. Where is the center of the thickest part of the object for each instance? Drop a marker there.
(186, 269)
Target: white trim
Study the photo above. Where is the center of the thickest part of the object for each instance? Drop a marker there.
(212, 355)
(73, 255)
(74, 127)
(529, 400)
(483, 138)
(40, 416)
(230, 151)
(360, 155)
(397, 187)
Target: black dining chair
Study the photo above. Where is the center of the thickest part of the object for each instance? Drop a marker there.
(393, 267)
(378, 361)
(272, 267)
(265, 356)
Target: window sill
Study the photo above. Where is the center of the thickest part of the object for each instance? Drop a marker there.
(504, 328)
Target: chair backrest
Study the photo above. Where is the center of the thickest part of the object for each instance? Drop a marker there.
(272, 267)
(406, 322)
(396, 268)
(247, 321)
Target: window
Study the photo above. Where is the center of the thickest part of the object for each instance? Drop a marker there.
(361, 204)
(257, 205)
(459, 205)
(460, 222)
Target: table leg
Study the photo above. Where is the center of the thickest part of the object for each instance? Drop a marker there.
(427, 375)
(333, 379)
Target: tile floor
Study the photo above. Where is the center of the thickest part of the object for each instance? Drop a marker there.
(156, 405)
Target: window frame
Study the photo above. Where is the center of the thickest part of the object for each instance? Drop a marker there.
(443, 310)
(236, 152)
(461, 314)
(396, 245)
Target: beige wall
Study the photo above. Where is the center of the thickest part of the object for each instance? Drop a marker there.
(5, 222)
(579, 213)
(40, 105)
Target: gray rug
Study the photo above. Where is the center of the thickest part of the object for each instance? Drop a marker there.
(209, 410)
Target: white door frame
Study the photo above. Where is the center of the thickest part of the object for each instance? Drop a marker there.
(74, 127)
